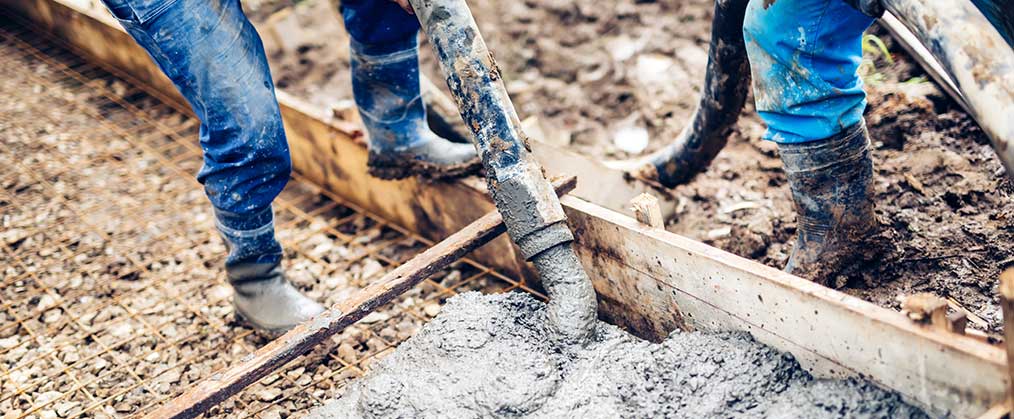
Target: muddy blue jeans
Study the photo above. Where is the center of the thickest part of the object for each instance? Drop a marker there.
(804, 55)
(385, 73)
(215, 58)
(213, 55)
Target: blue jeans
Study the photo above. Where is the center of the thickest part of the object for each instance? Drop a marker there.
(379, 26)
(213, 55)
(215, 58)
(803, 56)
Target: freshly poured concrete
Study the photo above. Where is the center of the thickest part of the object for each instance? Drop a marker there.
(493, 356)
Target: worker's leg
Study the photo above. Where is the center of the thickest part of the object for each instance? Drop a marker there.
(804, 55)
(385, 80)
(215, 58)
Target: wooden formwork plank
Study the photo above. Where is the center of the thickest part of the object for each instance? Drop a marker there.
(648, 280)
(829, 332)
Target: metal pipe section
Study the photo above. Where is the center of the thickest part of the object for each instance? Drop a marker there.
(976, 57)
(1001, 14)
(531, 211)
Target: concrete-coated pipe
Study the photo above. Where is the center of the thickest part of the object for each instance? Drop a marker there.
(976, 57)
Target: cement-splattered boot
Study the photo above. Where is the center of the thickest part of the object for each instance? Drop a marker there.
(832, 187)
(386, 87)
(262, 296)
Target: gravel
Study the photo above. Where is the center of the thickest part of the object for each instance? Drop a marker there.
(112, 293)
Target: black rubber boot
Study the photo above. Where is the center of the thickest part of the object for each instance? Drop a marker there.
(832, 187)
(266, 300)
(725, 89)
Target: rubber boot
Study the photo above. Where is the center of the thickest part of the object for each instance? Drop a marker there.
(832, 187)
(262, 297)
(386, 87)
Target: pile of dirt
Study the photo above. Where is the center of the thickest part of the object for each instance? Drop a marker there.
(489, 356)
(588, 69)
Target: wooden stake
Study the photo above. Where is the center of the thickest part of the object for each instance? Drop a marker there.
(957, 322)
(300, 340)
(647, 211)
(1007, 304)
(926, 307)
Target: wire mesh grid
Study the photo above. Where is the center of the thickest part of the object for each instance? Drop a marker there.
(112, 298)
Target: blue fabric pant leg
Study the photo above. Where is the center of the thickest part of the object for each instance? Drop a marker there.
(378, 27)
(803, 56)
(215, 58)
(385, 74)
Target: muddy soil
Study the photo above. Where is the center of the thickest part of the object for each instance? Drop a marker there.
(489, 356)
(587, 70)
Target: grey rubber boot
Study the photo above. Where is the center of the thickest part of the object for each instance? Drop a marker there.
(262, 297)
(266, 300)
(436, 158)
(832, 188)
(385, 83)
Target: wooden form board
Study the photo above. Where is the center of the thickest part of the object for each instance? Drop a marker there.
(649, 271)
(649, 280)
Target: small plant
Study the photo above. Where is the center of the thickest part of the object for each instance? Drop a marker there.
(916, 80)
(873, 47)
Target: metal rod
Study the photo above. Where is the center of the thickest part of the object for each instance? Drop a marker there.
(534, 217)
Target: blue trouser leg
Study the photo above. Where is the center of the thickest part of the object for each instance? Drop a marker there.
(215, 58)
(385, 73)
(378, 27)
(803, 56)
(385, 82)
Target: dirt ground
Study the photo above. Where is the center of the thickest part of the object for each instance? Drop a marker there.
(588, 69)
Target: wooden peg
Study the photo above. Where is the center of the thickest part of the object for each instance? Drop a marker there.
(998, 411)
(647, 211)
(926, 307)
(957, 322)
(1007, 304)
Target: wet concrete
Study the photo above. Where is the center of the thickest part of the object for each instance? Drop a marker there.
(492, 356)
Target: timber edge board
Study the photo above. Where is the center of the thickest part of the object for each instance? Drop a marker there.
(649, 281)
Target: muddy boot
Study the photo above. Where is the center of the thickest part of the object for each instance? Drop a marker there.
(386, 87)
(262, 296)
(832, 187)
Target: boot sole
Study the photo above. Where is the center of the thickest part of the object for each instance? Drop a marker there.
(388, 169)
